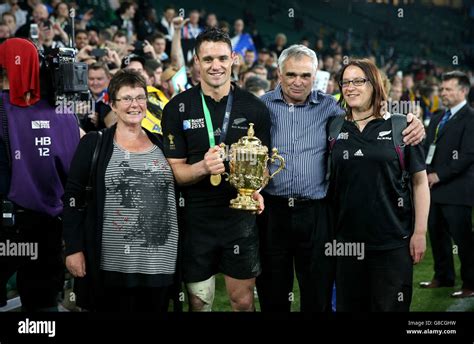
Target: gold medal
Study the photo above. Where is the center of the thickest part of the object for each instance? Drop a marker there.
(215, 179)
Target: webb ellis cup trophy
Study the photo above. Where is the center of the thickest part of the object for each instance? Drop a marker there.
(248, 169)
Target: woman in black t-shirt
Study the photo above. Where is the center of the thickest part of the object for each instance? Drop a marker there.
(376, 242)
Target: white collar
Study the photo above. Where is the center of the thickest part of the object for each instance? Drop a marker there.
(458, 107)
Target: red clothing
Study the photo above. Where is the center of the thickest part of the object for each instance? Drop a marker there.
(19, 58)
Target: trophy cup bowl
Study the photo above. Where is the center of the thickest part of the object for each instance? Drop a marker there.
(248, 169)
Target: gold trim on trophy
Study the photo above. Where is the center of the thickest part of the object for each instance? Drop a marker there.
(248, 169)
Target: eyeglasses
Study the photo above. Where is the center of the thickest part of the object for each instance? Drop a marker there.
(129, 100)
(355, 82)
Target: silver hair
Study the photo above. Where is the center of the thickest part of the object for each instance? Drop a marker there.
(296, 51)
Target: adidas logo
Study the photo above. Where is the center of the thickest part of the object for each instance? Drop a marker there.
(359, 153)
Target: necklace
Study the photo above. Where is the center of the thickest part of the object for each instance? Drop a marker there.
(360, 120)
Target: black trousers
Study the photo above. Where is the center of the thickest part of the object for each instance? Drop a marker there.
(446, 222)
(292, 238)
(39, 280)
(137, 299)
(381, 282)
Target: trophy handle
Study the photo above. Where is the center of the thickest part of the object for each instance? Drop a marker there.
(272, 160)
(226, 175)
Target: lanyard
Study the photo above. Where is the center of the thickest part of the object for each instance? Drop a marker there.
(225, 124)
(436, 134)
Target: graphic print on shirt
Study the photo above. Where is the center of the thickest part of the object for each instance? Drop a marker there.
(142, 190)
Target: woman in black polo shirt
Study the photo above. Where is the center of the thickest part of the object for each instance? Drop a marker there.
(377, 240)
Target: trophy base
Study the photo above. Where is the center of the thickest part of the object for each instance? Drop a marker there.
(244, 201)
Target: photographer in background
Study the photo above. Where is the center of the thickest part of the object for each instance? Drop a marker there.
(47, 40)
(40, 14)
(37, 143)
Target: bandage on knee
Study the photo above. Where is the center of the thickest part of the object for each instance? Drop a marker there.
(205, 291)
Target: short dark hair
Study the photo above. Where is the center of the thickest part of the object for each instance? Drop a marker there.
(4, 14)
(78, 31)
(125, 78)
(119, 34)
(124, 6)
(212, 35)
(151, 65)
(462, 78)
(155, 36)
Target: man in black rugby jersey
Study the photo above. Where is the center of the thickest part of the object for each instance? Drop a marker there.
(216, 238)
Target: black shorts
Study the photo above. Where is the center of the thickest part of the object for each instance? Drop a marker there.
(219, 239)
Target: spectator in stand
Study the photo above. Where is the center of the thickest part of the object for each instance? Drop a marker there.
(93, 37)
(194, 77)
(121, 41)
(395, 92)
(241, 42)
(10, 20)
(257, 86)
(224, 26)
(166, 83)
(249, 59)
(40, 15)
(189, 33)
(430, 102)
(4, 31)
(124, 22)
(158, 42)
(61, 16)
(408, 88)
(211, 20)
(81, 38)
(13, 7)
(328, 63)
(166, 22)
(260, 71)
(147, 24)
(46, 39)
(280, 43)
(154, 69)
(192, 29)
(98, 80)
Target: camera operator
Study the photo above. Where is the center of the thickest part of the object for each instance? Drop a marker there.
(37, 142)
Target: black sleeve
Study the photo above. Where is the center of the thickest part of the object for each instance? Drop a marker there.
(262, 130)
(174, 141)
(465, 155)
(73, 199)
(415, 158)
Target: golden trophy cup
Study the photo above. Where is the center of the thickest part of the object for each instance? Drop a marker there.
(248, 169)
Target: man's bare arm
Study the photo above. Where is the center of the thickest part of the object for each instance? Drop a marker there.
(188, 174)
